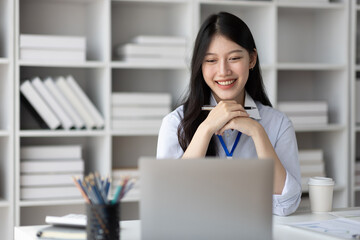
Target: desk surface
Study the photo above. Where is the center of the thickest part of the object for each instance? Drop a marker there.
(130, 230)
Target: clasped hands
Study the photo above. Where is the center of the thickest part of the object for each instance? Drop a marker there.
(229, 114)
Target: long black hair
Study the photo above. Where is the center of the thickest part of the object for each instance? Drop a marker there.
(233, 28)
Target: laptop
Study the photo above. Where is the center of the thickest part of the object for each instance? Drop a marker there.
(207, 198)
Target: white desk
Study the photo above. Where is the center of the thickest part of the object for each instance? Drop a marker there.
(130, 230)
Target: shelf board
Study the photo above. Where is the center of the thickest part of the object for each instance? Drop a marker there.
(357, 67)
(74, 1)
(312, 5)
(357, 188)
(32, 203)
(87, 64)
(4, 203)
(357, 128)
(4, 133)
(319, 128)
(255, 3)
(267, 66)
(132, 198)
(61, 133)
(149, 65)
(135, 132)
(4, 61)
(310, 66)
(152, 1)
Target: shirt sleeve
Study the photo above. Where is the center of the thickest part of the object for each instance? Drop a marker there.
(168, 145)
(287, 150)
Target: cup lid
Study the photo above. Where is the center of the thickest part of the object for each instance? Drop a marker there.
(321, 181)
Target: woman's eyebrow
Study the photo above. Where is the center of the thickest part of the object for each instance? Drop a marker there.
(233, 51)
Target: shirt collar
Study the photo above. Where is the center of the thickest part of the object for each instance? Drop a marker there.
(249, 102)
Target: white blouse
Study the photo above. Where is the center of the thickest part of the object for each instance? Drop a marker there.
(280, 132)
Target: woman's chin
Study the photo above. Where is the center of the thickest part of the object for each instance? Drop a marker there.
(227, 97)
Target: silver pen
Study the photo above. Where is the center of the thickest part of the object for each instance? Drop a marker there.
(209, 108)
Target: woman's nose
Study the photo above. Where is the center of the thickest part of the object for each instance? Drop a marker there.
(224, 69)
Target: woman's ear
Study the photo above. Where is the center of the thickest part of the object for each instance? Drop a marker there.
(253, 59)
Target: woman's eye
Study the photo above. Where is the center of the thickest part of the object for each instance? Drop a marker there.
(234, 58)
(210, 60)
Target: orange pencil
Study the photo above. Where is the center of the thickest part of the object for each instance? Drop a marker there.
(77, 184)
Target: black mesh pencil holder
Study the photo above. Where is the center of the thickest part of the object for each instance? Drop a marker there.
(103, 221)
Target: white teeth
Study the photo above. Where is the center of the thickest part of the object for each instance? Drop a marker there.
(225, 83)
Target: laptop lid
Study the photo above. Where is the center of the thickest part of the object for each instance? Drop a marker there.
(208, 198)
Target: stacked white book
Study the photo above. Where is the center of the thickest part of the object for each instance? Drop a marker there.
(357, 173)
(46, 171)
(60, 103)
(304, 1)
(305, 112)
(357, 53)
(139, 112)
(52, 48)
(357, 99)
(147, 49)
(119, 174)
(311, 165)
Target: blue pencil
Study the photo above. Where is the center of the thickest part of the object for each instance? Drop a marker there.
(102, 185)
(107, 187)
(91, 191)
(97, 180)
(96, 191)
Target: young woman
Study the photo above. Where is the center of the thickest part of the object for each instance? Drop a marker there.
(225, 73)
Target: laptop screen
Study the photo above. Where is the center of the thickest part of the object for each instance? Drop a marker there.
(208, 198)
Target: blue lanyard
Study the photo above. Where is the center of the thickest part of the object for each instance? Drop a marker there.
(233, 147)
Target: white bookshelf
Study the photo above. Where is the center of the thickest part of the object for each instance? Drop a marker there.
(314, 70)
(310, 66)
(147, 65)
(354, 76)
(62, 133)
(87, 64)
(6, 119)
(87, 18)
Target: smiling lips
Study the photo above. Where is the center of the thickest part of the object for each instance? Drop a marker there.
(225, 84)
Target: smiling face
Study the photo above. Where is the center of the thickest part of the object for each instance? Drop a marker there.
(226, 69)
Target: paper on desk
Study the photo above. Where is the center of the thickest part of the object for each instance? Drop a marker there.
(353, 214)
(339, 227)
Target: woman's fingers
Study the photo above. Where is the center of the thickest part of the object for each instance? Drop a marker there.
(241, 124)
(230, 106)
(224, 112)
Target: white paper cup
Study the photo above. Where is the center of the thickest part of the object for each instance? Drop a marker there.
(321, 194)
